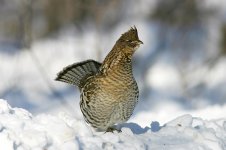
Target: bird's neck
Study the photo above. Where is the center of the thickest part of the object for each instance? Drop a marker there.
(117, 59)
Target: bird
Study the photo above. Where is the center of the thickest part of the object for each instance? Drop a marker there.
(108, 90)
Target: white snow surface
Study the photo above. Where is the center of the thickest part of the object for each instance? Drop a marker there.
(21, 130)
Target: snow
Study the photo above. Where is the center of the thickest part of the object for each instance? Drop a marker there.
(21, 130)
(159, 79)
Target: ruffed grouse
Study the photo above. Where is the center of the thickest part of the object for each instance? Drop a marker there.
(109, 91)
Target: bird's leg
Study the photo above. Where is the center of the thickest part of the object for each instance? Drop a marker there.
(112, 129)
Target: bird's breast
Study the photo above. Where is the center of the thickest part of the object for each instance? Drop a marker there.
(118, 86)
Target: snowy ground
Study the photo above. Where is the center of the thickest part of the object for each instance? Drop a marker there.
(20, 130)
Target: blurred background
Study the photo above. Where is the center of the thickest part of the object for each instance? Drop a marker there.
(180, 68)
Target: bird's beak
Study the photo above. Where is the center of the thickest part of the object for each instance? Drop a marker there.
(140, 42)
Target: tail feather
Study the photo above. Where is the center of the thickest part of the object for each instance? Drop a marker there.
(77, 73)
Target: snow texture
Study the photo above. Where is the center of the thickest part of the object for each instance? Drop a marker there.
(20, 130)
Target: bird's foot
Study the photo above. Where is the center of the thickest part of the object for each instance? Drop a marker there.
(112, 129)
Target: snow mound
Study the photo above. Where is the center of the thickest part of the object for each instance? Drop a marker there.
(20, 130)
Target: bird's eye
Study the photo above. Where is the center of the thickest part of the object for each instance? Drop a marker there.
(129, 41)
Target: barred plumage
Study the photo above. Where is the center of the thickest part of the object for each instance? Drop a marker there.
(109, 91)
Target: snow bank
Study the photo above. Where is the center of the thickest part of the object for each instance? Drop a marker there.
(20, 130)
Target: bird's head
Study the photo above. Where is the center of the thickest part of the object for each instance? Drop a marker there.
(130, 39)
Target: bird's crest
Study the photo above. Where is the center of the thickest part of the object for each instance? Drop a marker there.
(131, 34)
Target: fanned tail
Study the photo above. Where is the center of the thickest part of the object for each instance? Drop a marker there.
(77, 73)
